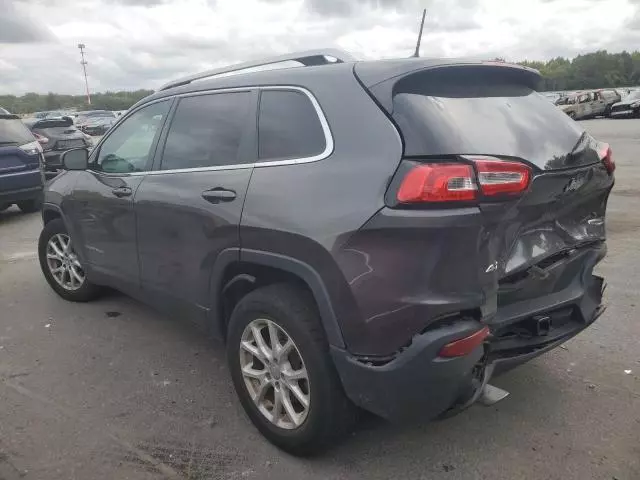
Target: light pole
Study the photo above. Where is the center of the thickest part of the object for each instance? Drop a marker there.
(83, 62)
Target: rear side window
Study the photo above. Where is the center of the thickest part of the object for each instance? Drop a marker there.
(207, 131)
(14, 132)
(288, 126)
(450, 114)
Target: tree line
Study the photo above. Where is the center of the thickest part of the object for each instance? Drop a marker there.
(35, 102)
(593, 70)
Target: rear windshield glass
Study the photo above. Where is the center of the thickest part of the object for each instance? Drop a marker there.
(444, 115)
(14, 132)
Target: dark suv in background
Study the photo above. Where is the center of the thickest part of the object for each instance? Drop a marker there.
(57, 135)
(21, 178)
(382, 234)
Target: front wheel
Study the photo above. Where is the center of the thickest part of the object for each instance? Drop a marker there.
(282, 371)
(61, 266)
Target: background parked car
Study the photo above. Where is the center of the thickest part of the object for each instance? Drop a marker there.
(605, 100)
(84, 118)
(98, 126)
(21, 179)
(57, 135)
(629, 106)
(588, 104)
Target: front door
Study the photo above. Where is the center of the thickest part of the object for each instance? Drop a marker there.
(103, 217)
(189, 208)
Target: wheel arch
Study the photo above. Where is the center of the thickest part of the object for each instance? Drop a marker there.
(236, 273)
(51, 212)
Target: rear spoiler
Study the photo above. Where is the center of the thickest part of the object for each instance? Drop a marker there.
(380, 78)
(51, 123)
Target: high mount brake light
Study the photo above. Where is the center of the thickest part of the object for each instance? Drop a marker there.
(457, 182)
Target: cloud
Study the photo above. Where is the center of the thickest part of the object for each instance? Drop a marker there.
(134, 44)
(16, 26)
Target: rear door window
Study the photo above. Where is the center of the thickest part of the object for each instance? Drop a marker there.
(453, 114)
(208, 130)
(288, 126)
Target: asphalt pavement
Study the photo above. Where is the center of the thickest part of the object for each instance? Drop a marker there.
(115, 390)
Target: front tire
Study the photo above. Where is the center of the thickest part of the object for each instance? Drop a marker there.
(61, 266)
(282, 371)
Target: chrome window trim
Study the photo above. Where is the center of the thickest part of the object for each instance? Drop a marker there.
(329, 143)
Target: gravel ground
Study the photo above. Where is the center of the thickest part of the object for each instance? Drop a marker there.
(114, 390)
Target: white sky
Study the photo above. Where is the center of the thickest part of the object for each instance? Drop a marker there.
(135, 44)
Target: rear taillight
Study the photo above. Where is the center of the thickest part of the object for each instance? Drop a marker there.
(438, 182)
(465, 345)
(606, 155)
(31, 148)
(42, 140)
(457, 182)
(501, 177)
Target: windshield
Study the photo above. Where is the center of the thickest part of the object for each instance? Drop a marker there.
(470, 116)
(14, 132)
(635, 95)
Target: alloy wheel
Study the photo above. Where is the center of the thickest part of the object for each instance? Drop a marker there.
(274, 374)
(63, 262)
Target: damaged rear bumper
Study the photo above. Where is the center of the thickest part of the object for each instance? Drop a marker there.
(418, 383)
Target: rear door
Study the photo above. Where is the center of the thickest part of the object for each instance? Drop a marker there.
(188, 209)
(102, 200)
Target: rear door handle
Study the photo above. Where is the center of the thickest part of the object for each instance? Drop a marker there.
(122, 192)
(217, 195)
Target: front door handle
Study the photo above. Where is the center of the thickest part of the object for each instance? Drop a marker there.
(217, 195)
(122, 192)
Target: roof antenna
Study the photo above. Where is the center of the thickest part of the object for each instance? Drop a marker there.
(416, 54)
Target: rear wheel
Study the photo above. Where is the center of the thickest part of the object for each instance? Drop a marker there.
(282, 372)
(30, 206)
(572, 115)
(61, 266)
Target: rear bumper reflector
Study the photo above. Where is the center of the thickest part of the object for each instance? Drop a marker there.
(466, 345)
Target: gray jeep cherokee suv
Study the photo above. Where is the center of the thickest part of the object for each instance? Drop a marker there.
(382, 234)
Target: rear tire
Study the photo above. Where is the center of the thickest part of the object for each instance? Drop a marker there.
(290, 311)
(80, 291)
(30, 206)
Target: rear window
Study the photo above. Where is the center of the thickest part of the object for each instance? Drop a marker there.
(288, 126)
(442, 114)
(14, 132)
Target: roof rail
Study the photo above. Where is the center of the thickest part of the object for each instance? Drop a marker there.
(306, 58)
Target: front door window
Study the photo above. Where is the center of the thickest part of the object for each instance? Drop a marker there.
(129, 148)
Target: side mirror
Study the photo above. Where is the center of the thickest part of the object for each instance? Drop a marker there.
(76, 159)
